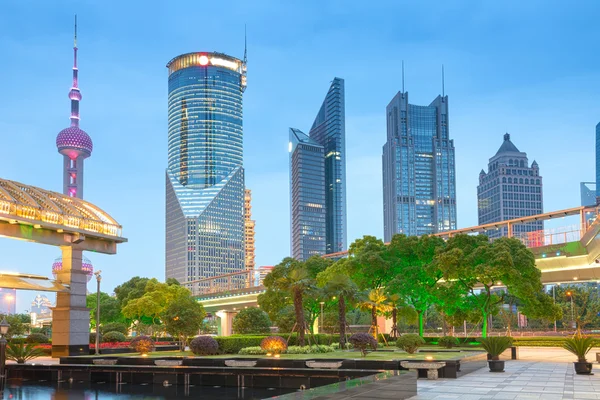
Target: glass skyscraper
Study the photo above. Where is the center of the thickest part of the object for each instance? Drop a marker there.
(419, 183)
(318, 228)
(587, 191)
(598, 160)
(510, 189)
(205, 174)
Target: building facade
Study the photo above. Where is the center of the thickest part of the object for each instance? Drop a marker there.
(307, 196)
(598, 160)
(419, 179)
(327, 136)
(205, 227)
(511, 188)
(588, 193)
(250, 233)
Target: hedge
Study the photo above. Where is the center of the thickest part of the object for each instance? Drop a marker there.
(233, 344)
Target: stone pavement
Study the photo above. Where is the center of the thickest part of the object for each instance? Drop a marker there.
(521, 380)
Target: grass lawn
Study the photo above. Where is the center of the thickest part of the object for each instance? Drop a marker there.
(377, 355)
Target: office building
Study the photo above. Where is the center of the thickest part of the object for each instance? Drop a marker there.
(205, 226)
(250, 225)
(318, 187)
(587, 191)
(419, 183)
(8, 301)
(511, 188)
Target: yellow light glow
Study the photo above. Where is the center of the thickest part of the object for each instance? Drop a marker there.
(277, 355)
(220, 62)
(203, 60)
(429, 358)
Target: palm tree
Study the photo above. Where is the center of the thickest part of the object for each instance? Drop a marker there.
(378, 303)
(345, 290)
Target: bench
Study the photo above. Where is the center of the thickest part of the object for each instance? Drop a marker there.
(431, 367)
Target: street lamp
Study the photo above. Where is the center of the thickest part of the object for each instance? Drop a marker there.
(3, 331)
(570, 294)
(98, 279)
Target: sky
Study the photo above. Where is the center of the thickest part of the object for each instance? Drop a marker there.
(529, 68)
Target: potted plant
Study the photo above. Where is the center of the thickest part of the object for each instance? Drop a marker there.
(22, 352)
(580, 346)
(495, 346)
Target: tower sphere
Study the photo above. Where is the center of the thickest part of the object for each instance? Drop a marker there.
(74, 141)
(86, 266)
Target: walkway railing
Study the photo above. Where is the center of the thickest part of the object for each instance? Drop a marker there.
(226, 283)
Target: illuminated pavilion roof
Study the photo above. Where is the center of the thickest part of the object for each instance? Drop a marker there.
(24, 204)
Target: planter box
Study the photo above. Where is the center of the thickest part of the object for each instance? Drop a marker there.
(168, 363)
(324, 364)
(240, 363)
(104, 362)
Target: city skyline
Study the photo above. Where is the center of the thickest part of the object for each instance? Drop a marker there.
(125, 97)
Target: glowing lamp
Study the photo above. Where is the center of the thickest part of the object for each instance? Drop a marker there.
(203, 60)
(429, 358)
(268, 354)
(4, 327)
(277, 355)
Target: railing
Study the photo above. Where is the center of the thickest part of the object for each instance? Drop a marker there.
(226, 283)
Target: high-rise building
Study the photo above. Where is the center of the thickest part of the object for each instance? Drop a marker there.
(510, 189)
(327, 140)
(250, 224)
(74, 143)
(307, 196)
(205, 176)
(8, 301)
(588, 193)
(419, 183)
(598, 160)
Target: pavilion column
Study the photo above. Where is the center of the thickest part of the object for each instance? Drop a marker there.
(71, 317)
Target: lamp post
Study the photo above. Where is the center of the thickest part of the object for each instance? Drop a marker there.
(322, 303)
(554, 299)
(3, 331)
(98, 279)
(570, 294)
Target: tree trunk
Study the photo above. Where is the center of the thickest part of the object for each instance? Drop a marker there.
(394, 323)
(342, 318)
(484, 325)
(374, 321)
(420, 316)
(444, 325)
(300, 323)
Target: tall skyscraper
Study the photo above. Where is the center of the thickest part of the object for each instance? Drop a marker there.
(598, 161)
(205, 175)
(419, 183)
(510, 189)
(313, 181)
(307, 196)
(74, 143)
(588, 193)
(250, 224)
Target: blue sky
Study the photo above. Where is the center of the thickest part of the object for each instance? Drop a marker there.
(529, 68)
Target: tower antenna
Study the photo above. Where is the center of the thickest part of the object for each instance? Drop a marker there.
(245, 46)
(75, 39)
(402, 76)
(443, 88)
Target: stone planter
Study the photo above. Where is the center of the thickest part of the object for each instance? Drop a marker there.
(240, 363)
(104, 362)
(583, 368)
(324, 364)
(168, 363)
(496, 365)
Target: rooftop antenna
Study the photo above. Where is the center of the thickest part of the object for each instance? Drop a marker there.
(402, 76)
(443, 88)
(245, 46)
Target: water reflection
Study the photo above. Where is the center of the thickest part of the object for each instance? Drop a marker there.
(82, 391)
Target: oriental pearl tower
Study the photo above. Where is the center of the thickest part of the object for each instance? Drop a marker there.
(75, 145)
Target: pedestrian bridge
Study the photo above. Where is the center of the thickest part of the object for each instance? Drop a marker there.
(566, 254)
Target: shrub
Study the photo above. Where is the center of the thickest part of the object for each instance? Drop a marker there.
(233, 344)
(21, 352)
(317, 349)
(496, 345)
(251, 320)
(204, 345)
(112, 337)
(362, 341)
(253, 350)
(114, 327)
(448, 342)
(410, 342)
(579, 346)
(274, 344)
(93, 338)
(37, 338)
(142, 344)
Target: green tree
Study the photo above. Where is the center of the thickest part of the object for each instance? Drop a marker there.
(183, 316)
(336, 284)
(416, 274)
(110, 310)
(584, 308)
(19, 324)
(378, 303)
(251, 320)
(369, 264)
(477, 266)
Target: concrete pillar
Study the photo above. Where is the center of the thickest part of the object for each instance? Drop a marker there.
(71, 317)
(226, 318)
